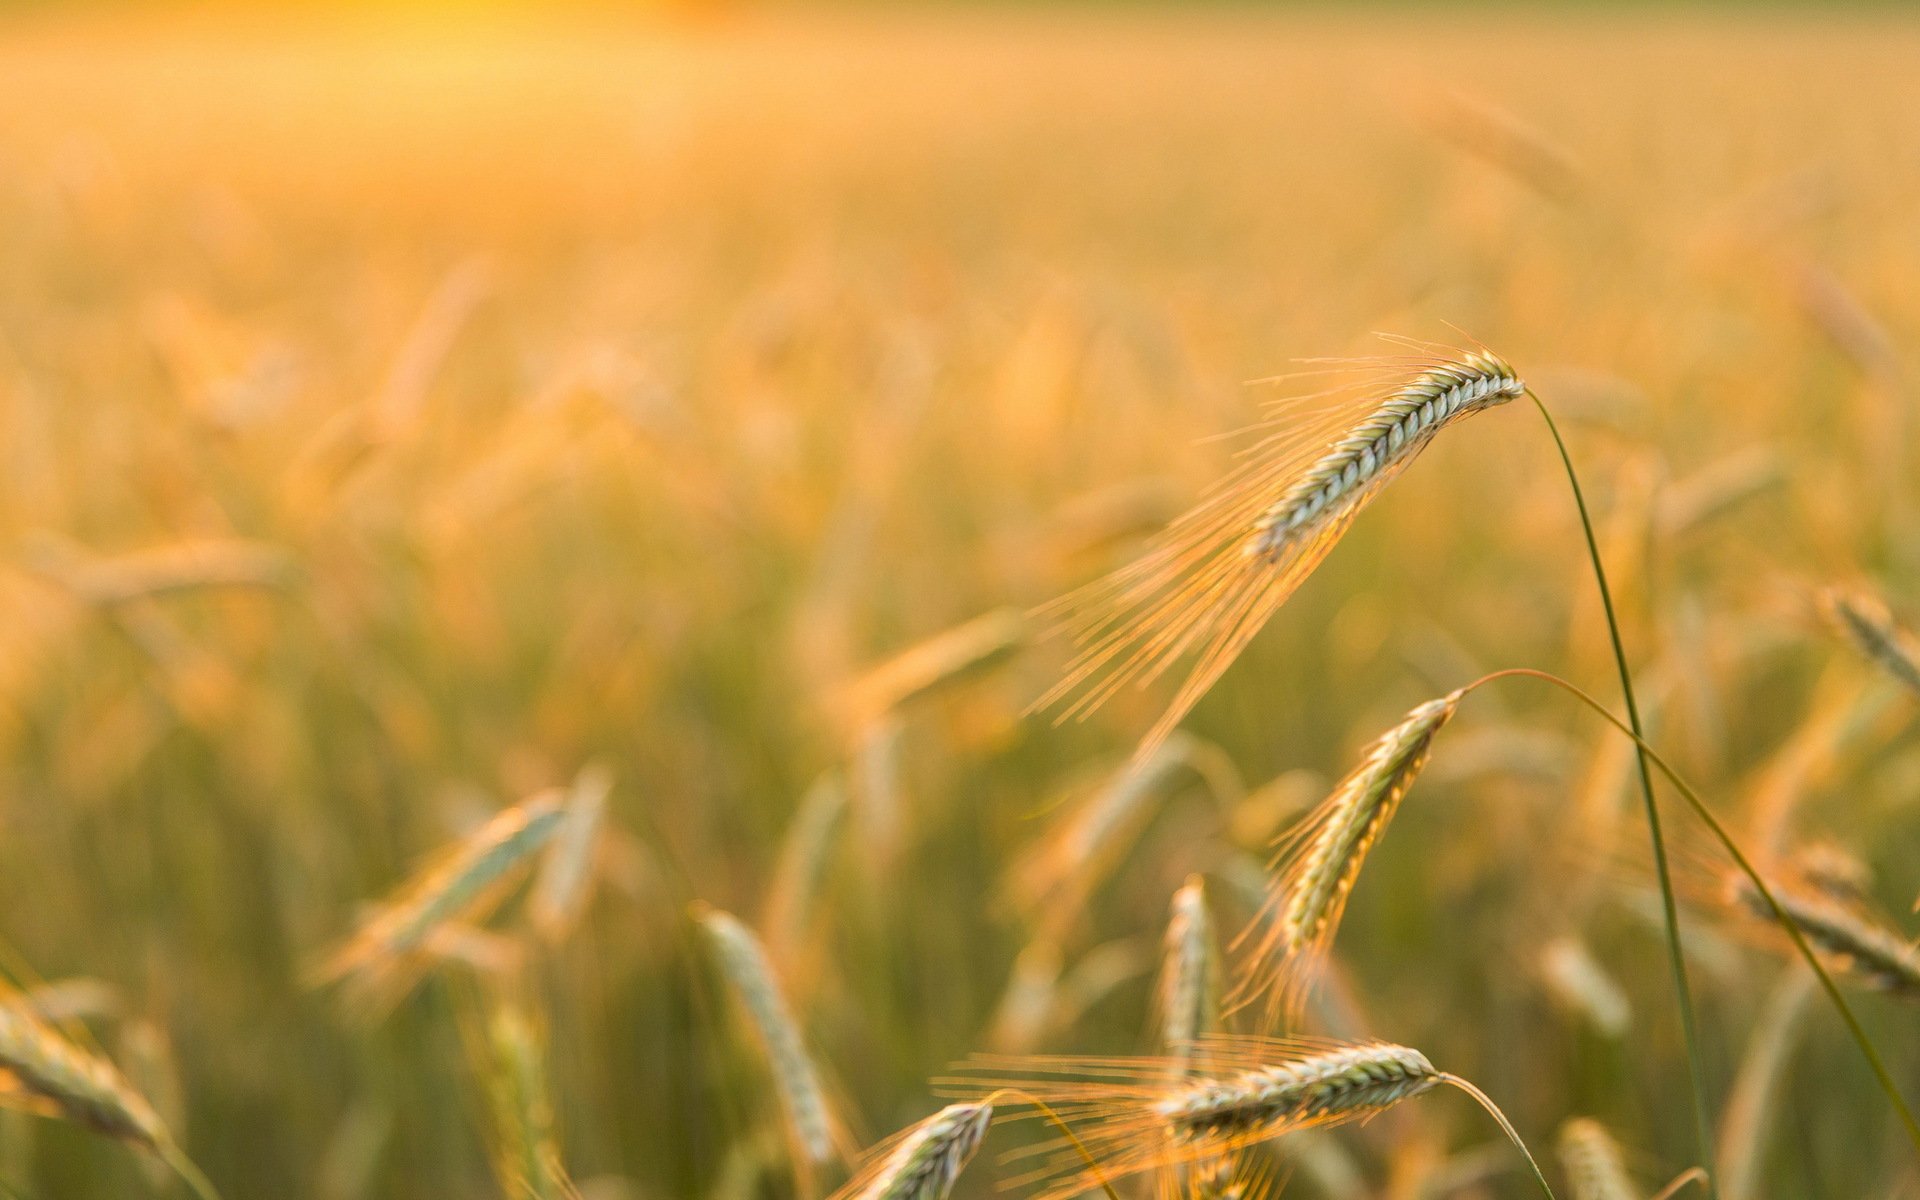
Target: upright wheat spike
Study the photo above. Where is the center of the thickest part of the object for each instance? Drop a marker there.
(1189, 994)
(1856, 942)
(1216, 575)
(566, 878)
(1595, 1168)
(802, 1099)
(923, 1162)
(526, 1151)
(385, 957)
(1865, 622)
(83, 1088)
(1317, 863)
(1131, 1116)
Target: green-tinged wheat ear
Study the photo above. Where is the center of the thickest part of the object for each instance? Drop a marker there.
(381, 961)
(1190, 974)
(802, 1098)
(1392, 433)
(526, 1150)
(1865, 622)
(1595, 1168)
(1340, 1085)
(1862, 947)
(925, 1162)
(1316, 871)
(83, 1088)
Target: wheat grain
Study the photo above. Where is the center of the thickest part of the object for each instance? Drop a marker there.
(924, 1162)
(1315, 869)
(803, 1100)
(1214, 577)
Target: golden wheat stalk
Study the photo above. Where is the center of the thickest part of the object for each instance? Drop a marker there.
(385, 957)
(1317, 864)
(810, 1121)
(1855, 942)
(924, 1162)
(1215, 576)
(1865, 622)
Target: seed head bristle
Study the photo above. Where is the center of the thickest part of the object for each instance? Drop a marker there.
(802, 1099)
(1594, 1165)
(1215, 576)
(1315, 869)
(924, 1162)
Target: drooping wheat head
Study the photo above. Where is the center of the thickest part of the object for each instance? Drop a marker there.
(1314, 870)
(1215, 576)
(385, 957)
(1132, 1116)
(1861, 945)
(810, 1123)
(924, 1162)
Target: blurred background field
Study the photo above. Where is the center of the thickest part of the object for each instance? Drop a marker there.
(401, 413)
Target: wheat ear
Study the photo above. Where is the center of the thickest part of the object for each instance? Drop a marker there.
(1865, 622)
(802, 1098)
(1215, 576)
(1318, 862)
(924, 1162)
(386, 955)
(1854, 941)
(1594, 1165)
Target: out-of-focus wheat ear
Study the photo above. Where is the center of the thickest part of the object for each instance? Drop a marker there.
(1858, 944)
(923, 1162)
(1213, 578)
(1581, 986)
(880, 803)
(801, 869)
(939, 662)
(1745, 1137)
(565, 884)
(1314, 871)
(1594, 1165)
(64, 1080)
(526, 1148)
(1864, 622)
(1189, 992)
(385, 957)
(811, 1126)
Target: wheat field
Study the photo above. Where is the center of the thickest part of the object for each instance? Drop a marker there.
(521, 535)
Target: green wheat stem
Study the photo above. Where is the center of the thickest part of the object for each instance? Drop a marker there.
(1676, 961)
(1780, 916)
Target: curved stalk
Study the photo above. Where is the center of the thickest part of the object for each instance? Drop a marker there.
(1506, 1126)
(1676, 961)
(1780, 916)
